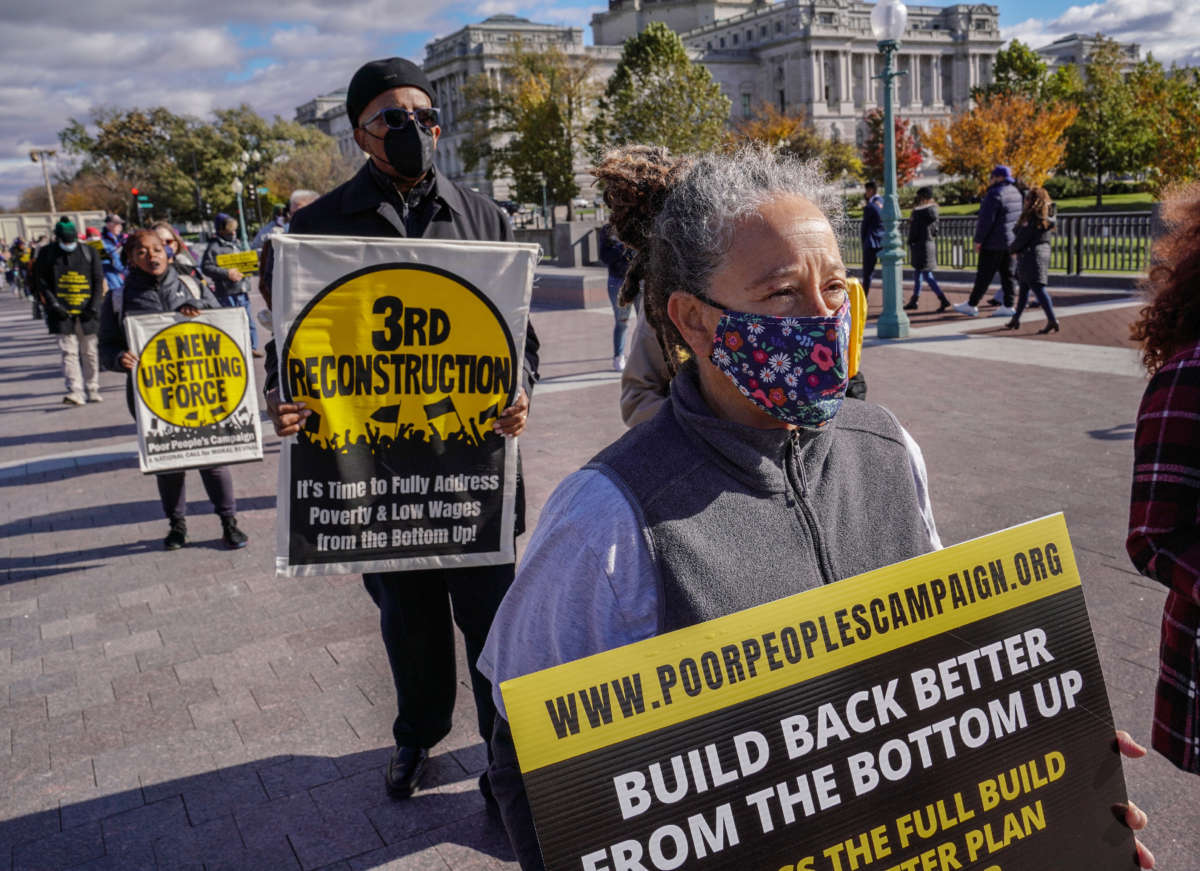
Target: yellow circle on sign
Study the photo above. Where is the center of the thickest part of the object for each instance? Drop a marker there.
(191, 374)
(399, 351)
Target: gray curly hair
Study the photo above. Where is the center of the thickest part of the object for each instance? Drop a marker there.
(678, 214)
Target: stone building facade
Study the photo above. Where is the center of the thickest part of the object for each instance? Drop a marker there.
(812, 56)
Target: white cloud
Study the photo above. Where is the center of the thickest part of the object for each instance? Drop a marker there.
(62, 59)
(1169, 29)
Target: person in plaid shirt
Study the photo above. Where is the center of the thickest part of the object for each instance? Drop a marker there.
(1164, 510)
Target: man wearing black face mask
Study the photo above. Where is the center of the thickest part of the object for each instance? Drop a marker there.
(399, 193)
(69, 281)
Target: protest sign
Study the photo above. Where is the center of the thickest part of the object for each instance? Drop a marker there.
(243, 261)
(194, 395)
(406, 350)
(946, 712)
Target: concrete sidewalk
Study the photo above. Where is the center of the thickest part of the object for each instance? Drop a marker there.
(189, 709)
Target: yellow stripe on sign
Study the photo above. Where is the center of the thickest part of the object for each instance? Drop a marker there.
(610, 697)
(243, 261)
(858, 322)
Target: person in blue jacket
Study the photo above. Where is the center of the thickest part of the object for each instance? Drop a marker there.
(994, 227)
(871, 232)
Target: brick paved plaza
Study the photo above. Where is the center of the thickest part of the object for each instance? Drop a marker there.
(191, 710)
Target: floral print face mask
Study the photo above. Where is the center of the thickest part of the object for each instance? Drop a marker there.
(794, 369)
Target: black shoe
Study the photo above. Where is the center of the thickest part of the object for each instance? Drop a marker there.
(1049, 328)
(945, 306)
(404, 770)
(993, 302)
(911, 305)
(234, 538)
(177, 537)
(1014, 324)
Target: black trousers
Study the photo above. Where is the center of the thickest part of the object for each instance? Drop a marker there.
(218, 483)
(991, 262)
(870, 257)
(415, 611)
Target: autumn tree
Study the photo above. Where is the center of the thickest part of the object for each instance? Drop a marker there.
(1027, 136)
(1109, 134)
(1168, 101)
(317, 168)
(658, 96)
(908, 149)
(531, 125)
(792, 134)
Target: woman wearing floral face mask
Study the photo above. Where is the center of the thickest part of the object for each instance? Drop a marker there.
(753, 481)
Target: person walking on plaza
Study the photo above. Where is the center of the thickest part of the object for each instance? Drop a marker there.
(1031, 244)
(69, 283)
(153, 287)
(994, 227)
(399, 193)
(1164, 510)
(922, 249)
(614, 256)
(232, 288)
(871, 233)
(112, 237)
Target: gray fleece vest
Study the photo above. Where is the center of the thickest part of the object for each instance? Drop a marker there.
(736, 516)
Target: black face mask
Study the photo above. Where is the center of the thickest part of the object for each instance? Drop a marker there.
(409, 151)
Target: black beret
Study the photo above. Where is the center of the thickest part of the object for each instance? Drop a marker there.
(377, 76)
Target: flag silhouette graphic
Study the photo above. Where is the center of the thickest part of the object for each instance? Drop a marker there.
(386, 413)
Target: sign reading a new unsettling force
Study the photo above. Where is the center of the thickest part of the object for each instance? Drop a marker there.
(406, 351)
(944, 713)
(195, 400)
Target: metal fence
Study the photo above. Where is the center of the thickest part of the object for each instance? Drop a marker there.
(1099, 242)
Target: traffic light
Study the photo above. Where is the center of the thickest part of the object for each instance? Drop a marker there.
(133, 191)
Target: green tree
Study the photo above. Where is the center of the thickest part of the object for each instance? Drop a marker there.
(1018, 70)
(531, 125)
(1109, 134)
(186, 165)
(657, 96)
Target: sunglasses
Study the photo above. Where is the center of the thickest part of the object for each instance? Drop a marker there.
(398, 119)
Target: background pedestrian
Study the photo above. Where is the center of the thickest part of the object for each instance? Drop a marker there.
(1031, 244)
(69, 282)
(922, 248)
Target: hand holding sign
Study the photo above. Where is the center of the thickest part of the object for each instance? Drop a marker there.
(288, 417)
(511, 421)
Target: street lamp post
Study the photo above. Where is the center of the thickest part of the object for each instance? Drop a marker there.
(43, 155)
(237, 189)
(888, 20)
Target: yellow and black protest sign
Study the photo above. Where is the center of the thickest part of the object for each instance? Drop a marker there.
(245, 262)
(194, 388)
(406, 364)
(98, 244)
(192, 374)
(74, 290)
(947, 712)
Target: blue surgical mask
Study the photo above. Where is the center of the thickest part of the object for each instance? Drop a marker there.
(793, 368)
(68, 246)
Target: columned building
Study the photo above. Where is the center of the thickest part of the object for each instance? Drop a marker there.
(483, 49)
(812, 56)
(820, 59)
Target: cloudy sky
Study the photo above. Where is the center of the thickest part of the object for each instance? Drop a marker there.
(62, 59)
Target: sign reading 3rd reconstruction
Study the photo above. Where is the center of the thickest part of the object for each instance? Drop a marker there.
(405, 363)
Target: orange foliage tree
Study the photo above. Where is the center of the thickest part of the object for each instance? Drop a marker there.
(1026, 135)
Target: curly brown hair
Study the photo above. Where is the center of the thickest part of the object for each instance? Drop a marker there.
(1171, 321)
